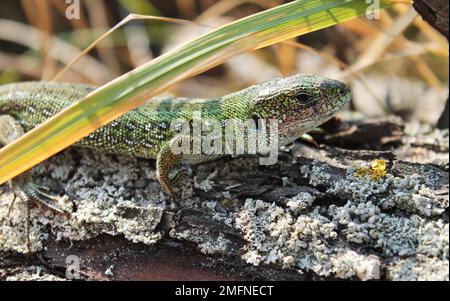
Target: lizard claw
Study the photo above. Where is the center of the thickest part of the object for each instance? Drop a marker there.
(30, 192)
(26, 191)
(308, 138)
(49, 201)
(11, 205)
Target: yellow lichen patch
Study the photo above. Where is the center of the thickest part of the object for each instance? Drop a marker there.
(376, 171)
(361, 172)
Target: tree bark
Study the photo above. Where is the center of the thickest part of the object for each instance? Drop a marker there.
(322, 211)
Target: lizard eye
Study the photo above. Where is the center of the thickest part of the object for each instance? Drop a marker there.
(303, 98)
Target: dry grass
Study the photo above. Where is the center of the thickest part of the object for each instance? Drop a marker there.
(399, 45)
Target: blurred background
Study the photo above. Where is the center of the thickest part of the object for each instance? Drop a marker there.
(396, 65)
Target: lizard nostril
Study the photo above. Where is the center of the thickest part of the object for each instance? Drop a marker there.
(343, 89)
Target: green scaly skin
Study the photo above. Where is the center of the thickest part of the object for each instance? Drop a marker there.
(300, 103)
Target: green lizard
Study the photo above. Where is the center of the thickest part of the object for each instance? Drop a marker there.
(299, 103)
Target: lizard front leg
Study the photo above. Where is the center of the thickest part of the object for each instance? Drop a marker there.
(165, 163)
(171, 156)
(22, 186)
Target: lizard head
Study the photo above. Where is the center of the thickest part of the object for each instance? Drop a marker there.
(299, 103)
